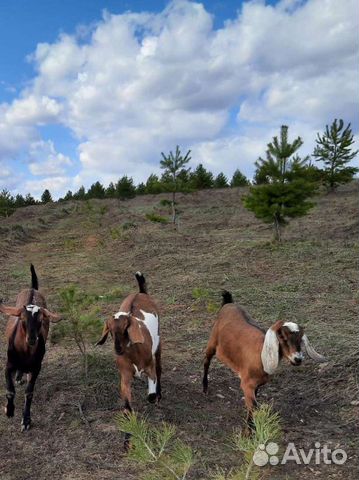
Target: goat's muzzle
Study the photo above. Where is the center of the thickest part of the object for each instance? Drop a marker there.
(296, 358)
(32, 341)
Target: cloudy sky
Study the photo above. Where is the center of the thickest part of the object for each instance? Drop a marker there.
(92, 90)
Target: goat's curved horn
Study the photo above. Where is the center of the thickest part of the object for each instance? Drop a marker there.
(311, 352)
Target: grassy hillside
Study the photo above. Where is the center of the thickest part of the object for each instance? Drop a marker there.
(98, 245)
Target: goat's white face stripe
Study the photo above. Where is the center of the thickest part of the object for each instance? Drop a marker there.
(293, 327)
(119, 314)
(151, 322)
(33, 308)
(151, 386)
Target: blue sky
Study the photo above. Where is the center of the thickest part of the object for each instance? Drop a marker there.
(25, 23)
(88, 95)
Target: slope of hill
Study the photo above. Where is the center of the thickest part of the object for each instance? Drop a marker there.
(98, 245)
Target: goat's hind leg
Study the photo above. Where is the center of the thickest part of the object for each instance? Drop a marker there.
(158, 374)
(210, 352)
(10, 391)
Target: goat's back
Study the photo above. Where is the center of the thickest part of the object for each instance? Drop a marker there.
(136, 302)
(239, 340)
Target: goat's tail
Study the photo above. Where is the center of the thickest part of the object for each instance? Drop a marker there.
(141, 282)
(34, 280)
(226, 297)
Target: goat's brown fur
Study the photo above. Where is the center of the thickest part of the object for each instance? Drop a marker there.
(238, 343)
(133, 344)
(26, 334)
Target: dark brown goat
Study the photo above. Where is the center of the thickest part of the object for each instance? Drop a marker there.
(252, 353)
(26, 333)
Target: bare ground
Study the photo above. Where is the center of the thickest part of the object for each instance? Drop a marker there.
(311, 279)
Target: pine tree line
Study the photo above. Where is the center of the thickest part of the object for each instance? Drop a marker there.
(125, 188)
(278, 171)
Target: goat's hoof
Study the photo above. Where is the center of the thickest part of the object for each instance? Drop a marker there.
(19, 381)
(25, 425)
(152, 397)
(9, 410)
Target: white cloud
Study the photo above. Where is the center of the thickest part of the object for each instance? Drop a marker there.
(46, 161)
(56, 185)
(145, 82)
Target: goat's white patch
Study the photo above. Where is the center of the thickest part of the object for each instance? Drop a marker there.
(151, 322)
(270, 352)
(119, 314)
(137, 371)
(138, 273)
(151, 386)
(32, 308)
(293, 327)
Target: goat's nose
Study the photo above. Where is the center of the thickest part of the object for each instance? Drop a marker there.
(32, 341)
(298, 357)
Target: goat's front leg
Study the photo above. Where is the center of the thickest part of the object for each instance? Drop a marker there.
(125, 389)
(152, 382)
(249, 389)
(29, 392)
(10, 391)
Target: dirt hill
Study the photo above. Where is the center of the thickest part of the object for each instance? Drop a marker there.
(311, 279)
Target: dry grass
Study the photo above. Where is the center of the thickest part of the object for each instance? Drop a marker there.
(311, 279)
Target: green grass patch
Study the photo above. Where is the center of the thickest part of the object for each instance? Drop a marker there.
(156, 218)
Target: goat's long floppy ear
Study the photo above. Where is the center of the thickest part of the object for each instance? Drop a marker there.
(270, 350)
(14, 311)
(306, 346)
(105, 332)
(134, 331)
(54, 317)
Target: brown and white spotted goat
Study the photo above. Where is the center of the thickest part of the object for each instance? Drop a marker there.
(252, 353)
(26, 333)
(135, 332)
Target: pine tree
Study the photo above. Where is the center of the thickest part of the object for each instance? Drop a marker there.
(220, 181)
(19, 201)
(125, 188)
(153, 184)
(68, 195)
(29, 200)
(80, 194)
(46, 196)
(173, 164)
(141, 189)
(96, 190)
(287, 188)
(201, 178)
(239, 180)
(110, 191)
(7, 203)
(334, 149)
